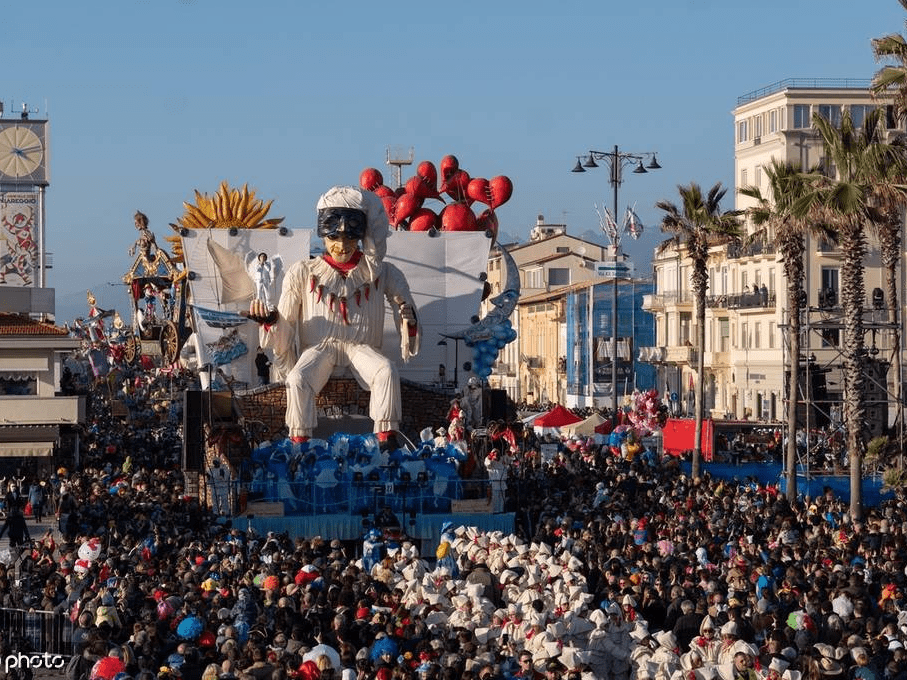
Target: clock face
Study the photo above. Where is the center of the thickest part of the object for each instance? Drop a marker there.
(21, 153)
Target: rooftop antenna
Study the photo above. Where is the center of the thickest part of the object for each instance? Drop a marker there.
(398, 157)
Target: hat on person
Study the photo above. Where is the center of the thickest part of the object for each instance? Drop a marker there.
(666, 639)
(730, 628)
(825, 650)
(829, 666)
(778, 665)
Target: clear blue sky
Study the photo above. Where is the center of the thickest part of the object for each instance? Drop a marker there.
(151, 99)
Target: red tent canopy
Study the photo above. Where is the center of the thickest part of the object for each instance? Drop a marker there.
(604, 428)
(556, 417)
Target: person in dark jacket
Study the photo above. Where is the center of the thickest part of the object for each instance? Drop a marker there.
(18, 529)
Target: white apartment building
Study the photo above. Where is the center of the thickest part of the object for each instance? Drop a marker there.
(745, 346)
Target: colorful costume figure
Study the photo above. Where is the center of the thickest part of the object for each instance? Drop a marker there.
(372, 550)
(333, 306)
(445, 552)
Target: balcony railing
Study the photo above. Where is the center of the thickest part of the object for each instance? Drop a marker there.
(741, 301)
(672, 298)
(651, 355)
(680, 354)
(736, 251)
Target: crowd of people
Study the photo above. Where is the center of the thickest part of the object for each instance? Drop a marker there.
(615, 570)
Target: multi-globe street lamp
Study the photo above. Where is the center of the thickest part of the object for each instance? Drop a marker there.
(616, 160)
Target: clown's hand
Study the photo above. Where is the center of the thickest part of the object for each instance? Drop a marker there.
(260, 313)
(408, 314)
(407, 311)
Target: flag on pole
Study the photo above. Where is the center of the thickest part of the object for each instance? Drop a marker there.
(632, 224)
(608, 224)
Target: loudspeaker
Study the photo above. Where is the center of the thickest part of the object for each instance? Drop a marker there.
(495, 407)
(195, 408)
(876, 400)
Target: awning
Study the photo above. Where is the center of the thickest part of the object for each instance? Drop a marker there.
(16, 434)
(26, 449)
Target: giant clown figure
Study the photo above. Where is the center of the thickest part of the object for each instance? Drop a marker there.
(332, 309)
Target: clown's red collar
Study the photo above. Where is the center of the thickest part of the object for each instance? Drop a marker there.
(343, 268)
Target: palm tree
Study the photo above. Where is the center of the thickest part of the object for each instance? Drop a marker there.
(773, 214)
(843, 199)
(888, 173)
(891, 79)
(698, 224)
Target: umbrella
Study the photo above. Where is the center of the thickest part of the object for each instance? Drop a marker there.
(332, 654)
(190, 628)
(106, 668)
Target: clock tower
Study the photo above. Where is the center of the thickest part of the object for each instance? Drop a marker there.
(24, 177)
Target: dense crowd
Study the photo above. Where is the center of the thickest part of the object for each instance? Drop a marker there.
(615, 570)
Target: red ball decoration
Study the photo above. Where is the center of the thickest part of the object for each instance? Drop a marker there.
(423, 220)
(370, 179)
(458, 217)
(449, 165)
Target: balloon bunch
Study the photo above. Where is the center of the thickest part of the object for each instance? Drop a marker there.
(642, 411)
(485, 349)
(404, 205)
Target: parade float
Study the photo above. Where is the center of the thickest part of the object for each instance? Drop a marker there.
(190, 311)
(341, 474)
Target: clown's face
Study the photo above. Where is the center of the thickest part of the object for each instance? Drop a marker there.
(341, 248)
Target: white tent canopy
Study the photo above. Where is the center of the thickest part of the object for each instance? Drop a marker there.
(584, 427)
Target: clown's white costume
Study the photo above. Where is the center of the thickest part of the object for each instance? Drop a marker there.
(335, 316)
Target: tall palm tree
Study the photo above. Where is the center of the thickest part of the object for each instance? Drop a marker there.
(844, 199)
(887, 81)
(773, 216)
(887, 173)
(698, 223)
(891, 79)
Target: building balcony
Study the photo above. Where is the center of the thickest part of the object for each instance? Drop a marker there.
(660, 300)
(742, 301)
(680, 354)
(42, 411)
(651, 355)
(738, 251)
(503, 368)
(716, 359)
(535, 362)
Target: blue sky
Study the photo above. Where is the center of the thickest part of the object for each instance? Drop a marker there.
(151, 99)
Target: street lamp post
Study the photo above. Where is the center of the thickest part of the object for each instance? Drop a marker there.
(616, 161)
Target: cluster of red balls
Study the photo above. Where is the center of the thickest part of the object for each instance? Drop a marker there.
(405, 208)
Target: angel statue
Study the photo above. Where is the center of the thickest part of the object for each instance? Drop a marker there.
(263, 272)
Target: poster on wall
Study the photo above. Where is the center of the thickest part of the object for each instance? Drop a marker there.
(18, 238)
